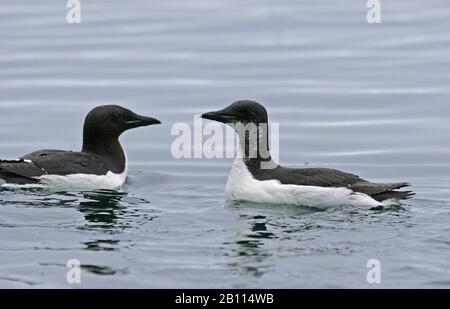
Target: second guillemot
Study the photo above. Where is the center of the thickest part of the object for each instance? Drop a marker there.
(257, 178)
(101, 164)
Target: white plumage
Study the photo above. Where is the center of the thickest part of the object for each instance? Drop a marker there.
(242, 186)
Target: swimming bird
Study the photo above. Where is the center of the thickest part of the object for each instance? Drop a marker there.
(255, 177)
(101, 163)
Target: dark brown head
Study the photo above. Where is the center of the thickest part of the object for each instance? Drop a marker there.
(243, 111)
(104, 124)
(110, 121)
(250, 121)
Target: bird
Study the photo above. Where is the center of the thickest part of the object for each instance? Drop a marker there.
(101, 163)
(256, 177)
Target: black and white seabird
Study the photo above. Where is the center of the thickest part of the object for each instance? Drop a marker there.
(255, 177)
(101, 164)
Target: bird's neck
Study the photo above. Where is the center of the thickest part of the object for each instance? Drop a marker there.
(109, 149)
(253, 142)
(254, 149)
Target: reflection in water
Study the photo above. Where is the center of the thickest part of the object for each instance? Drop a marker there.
(299, 231)
(95, 269)
(105, 210)
(101, 270)
(110, 212)
(249, 246)
(102, 245)
(107, 215)
(102, 209)
(35, 197)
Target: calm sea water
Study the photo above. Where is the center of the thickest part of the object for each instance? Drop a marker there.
(368, 99)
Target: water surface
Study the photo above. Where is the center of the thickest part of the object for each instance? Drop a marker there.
(368, 99)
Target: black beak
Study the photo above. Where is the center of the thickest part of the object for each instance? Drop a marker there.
(221, 116)
(141, 121)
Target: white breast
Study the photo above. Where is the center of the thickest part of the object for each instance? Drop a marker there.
(84, 182)
(241, 186)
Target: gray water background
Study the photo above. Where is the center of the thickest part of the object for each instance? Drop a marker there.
(371, 99)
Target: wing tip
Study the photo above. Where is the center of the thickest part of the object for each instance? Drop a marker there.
(408, 194)
(400, 185)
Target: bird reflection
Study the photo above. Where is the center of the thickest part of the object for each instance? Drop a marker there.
(110, 213)
(102, 209)
(107, 214)
(249, 247)
(113, 211)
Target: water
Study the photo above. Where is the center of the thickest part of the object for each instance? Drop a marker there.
(368, 99)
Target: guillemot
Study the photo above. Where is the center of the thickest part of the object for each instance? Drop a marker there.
(101, 164)
(255, 177)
